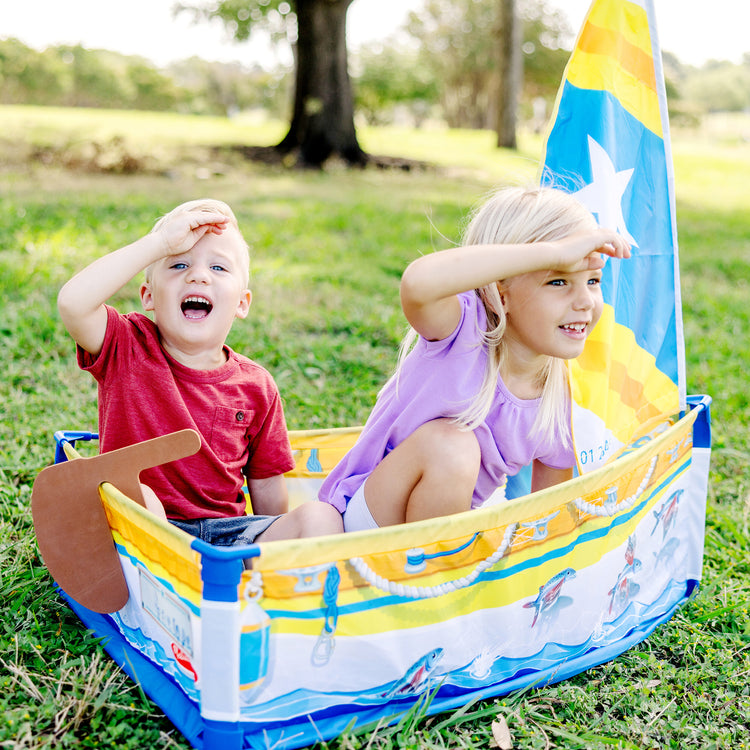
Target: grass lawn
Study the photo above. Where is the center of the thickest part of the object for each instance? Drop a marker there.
(328, 250)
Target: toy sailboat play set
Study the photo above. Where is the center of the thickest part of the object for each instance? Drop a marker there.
(321, 635)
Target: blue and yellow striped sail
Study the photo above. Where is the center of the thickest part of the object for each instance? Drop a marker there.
(609, 145)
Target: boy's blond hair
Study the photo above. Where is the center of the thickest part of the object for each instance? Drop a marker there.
(208, 205)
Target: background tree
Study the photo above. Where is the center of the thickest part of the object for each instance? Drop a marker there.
(443, 75)
(216, 88)
(720, 86)
(322, 122)
(510, 70)
(73, 76)
(455, 44)
(151, 90)
(96, 81)
(546, 40)
(30, 76)
(458, 43)
(389, 76)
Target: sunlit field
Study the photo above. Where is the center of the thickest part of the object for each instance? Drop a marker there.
(328, 249)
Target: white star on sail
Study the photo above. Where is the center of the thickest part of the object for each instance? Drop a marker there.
(603, 195)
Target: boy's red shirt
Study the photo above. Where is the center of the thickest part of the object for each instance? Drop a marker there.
(235, 408)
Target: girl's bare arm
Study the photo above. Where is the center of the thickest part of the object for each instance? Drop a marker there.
(430, 284)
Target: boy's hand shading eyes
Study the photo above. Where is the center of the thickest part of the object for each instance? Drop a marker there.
(183, 231)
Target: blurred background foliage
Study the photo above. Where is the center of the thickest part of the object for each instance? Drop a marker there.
(440, 67)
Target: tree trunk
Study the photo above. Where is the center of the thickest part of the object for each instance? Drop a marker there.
(323, 117)
(510, 67)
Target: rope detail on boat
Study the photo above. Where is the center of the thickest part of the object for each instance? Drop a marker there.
(428, 592)
(325, 644)
(610, 506)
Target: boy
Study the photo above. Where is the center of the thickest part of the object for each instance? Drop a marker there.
(176, 372)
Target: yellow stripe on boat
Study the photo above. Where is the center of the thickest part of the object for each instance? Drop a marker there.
(160, 546)
(637, 482)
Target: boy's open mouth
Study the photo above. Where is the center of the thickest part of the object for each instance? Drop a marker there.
(196, 308)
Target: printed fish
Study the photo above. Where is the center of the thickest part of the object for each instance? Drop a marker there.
(667, 551)
(625, 587)
(549, 593)
(417, 675)
(624, 590)
(667, 514)
(184, 661)
(630, 551)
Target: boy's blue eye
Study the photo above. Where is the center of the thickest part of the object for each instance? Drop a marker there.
(556, 282)
(595, 281)
(179, 265)
(217, 267)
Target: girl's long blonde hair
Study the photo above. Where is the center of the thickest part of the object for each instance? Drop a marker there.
(519, 216)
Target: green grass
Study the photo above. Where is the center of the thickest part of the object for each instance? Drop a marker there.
(328, 249)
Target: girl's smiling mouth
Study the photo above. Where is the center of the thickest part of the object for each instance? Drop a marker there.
(575, 329)
(196, 307)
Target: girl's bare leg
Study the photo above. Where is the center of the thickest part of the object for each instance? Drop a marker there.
(432, 473)
(313, 518)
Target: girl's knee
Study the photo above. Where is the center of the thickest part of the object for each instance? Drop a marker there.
(316, 518)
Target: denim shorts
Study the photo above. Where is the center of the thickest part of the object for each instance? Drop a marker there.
(227, 532)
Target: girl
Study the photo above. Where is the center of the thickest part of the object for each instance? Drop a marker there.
(484, 391)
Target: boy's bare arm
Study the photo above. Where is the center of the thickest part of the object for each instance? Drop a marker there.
(81, 300)
(269, 497)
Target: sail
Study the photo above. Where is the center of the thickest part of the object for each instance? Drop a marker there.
(609, 146)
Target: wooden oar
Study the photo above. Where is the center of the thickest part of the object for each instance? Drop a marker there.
(71, 526)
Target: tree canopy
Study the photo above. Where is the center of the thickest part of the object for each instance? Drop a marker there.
(441, 66)
(73, 76)
(457, 42)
